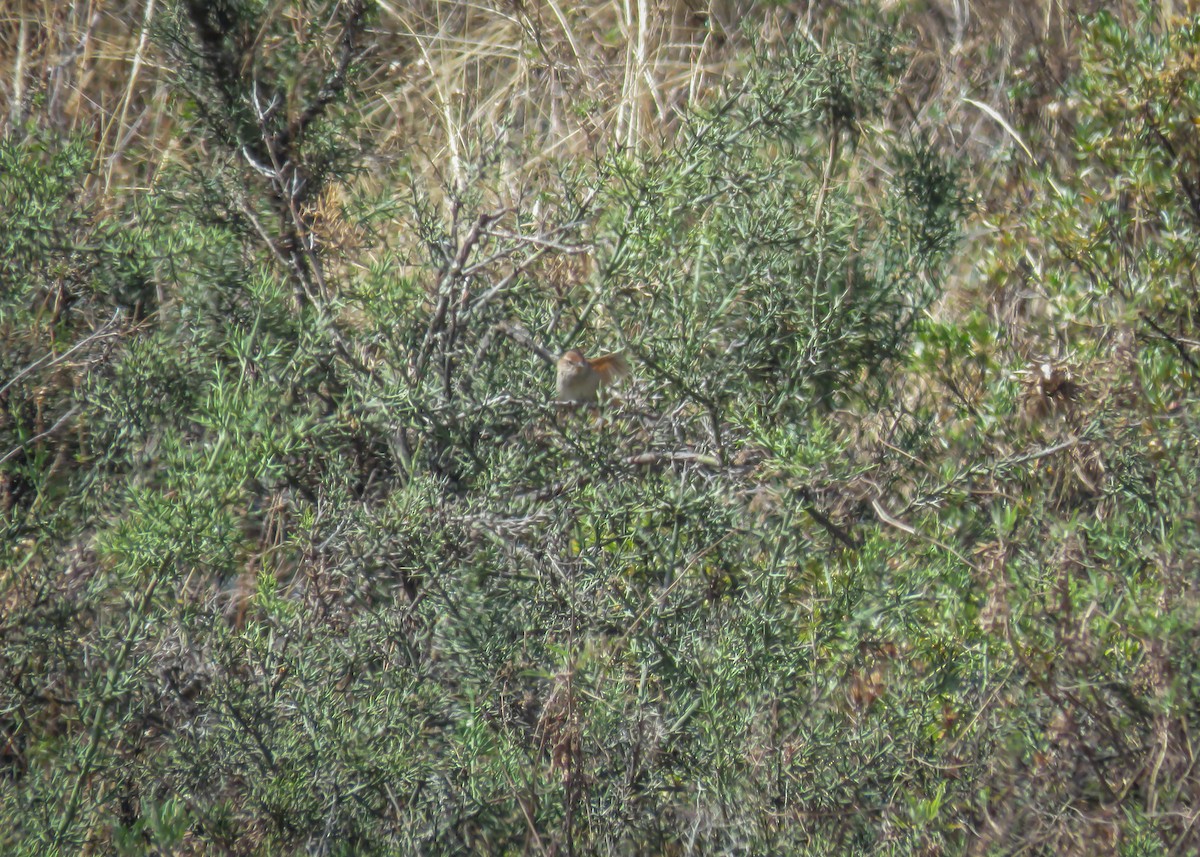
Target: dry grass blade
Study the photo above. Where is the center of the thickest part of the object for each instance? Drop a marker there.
(1003, 123)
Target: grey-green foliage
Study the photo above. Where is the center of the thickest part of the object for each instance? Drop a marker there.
(136, 440)
(54, 244)
(322, 587)
(755, 266)
(73, 276)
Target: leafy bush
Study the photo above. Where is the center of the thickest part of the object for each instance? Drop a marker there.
(756, 263)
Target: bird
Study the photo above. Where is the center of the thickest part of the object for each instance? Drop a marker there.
(580, 379)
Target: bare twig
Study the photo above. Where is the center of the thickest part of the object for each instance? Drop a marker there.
(883, 515)
(655, 457)
(521, 336)
(1176, 342)
(892, 521)
(40, 436)
(49, 360)
(451, 272)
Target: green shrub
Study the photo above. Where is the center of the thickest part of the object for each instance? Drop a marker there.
(756, 268)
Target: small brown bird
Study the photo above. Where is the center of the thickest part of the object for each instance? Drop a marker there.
(580, 379)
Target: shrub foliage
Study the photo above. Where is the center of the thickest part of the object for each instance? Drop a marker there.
(887, 544)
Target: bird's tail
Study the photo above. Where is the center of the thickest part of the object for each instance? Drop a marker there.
(611, 367)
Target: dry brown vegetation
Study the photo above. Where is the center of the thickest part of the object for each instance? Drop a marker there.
(561, 82)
